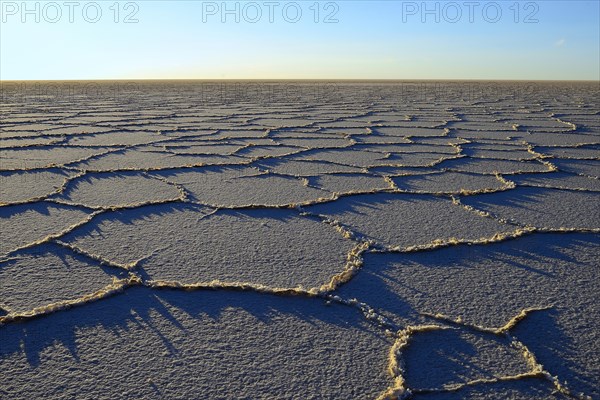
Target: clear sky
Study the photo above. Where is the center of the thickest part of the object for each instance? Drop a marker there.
(344, 40)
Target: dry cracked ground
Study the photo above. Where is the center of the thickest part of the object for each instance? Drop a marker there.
(335, 241)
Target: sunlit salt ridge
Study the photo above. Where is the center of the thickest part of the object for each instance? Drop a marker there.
(343, 246)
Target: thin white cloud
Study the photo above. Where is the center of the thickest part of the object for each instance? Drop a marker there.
(560, 42)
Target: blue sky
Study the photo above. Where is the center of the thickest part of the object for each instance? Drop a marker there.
(370, 40)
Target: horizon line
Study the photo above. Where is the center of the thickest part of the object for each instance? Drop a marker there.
(383, 80)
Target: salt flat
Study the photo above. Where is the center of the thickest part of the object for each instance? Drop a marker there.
(372, 240)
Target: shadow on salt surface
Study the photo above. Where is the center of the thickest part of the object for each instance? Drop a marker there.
(488, 285)
(24, 224)
(143, 213)
(209, 344)
(243, 186)
(294, 167)
(518, 198)
(404, 220)
(541, 207)
(557, 180)
(441, 358)
(18, 186)
(35, 336)
(273, 247)
(385, 280)
(522, 389)
(556, 350)
(46, 156)
(449, 183)
(48, 274)
(586, 167)
(124, 189)
(493, 166)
